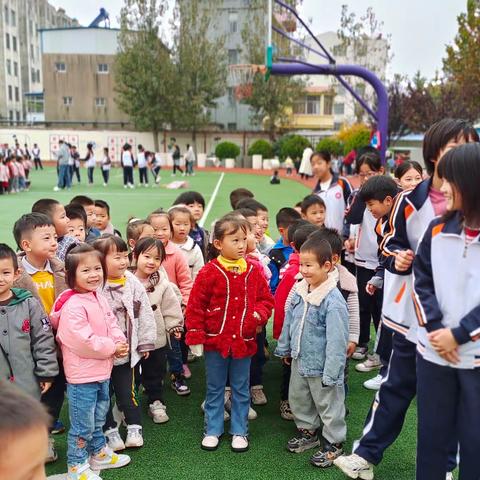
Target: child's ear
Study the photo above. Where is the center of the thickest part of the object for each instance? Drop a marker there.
(131, 243)
(292, 245)
(335, 259)
(303, 215)
(217, 244)
(25, 245)
(328, 266)
(16, 274)
(281, 230)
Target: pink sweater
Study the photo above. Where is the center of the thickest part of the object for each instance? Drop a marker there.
(178, 272)
(87, 332)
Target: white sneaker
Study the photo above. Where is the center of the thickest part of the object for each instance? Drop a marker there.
(354, 466)
(81, 472)
(210, 442)
(360, 353)
(107, 459)
(131, 185)
(52, 452)
(374, 383)
(114, 440)
(226, 415)
(157, 180)
(55, 189)
(258, 395)
(239, 443)
(371, 363)
(146, 185)
(450, 476)
(124, 186)
(158, 411)
(104, 184)
(252, 414)
(134, 437)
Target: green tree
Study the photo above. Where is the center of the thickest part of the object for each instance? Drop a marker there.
(293, 146)
(271, 101)
(331, 145)
(462, 62)
(227, 150)
(261, 147)
(144, 71)
(200, 61)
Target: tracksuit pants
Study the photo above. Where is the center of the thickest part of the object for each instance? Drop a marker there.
(448, 408)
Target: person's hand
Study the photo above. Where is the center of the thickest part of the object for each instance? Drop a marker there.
(404, 260)
(176, 332)
(350, 245)
(121, 350)
(451, 357)
(259, 330)
(370, 289)
(145, 355)
(287, 360)
(45, 387)
(351, 349)
(197, 350)
(445, 345)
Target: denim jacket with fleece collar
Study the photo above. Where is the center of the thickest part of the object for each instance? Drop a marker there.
(315, 332)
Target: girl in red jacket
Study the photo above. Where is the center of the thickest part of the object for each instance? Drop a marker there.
(230, 302)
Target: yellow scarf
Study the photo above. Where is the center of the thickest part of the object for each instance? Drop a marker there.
(118, 281)
(236, 266)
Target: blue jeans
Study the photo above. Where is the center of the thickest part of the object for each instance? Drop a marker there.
(64, 179)
(174, 357)
(88, 406)
(218, 369)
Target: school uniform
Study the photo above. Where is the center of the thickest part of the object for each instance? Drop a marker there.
(446, 295)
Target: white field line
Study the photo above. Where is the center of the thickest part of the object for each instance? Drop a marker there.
(211, 201)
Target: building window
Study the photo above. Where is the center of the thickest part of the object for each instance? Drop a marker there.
(14, 43)
(232, 57)
(233, 22)
(7, 40)
(339, 108)
(15, 69)
(9, 66)
(17, 94)
(10, 115)
(10, 93)
(14, 18)
(32, 52)
(313, 105)
(299, 107)
(18, 116)
(360, 88)
(100, 102)
(60, 67)
(232, 126)
(6, 14)
(341, 90)
(327, 105)
(38, 76)
(337, 126)
(34, 76)
(67, 101)
(231, 96)
(30, 27)
(102, 68)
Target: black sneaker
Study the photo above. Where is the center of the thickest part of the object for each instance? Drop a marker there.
(179, 385)
(326, 455)
(304, 441)
(57, 428)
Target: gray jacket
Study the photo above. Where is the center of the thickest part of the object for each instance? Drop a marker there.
(27, 354)
(63, 155)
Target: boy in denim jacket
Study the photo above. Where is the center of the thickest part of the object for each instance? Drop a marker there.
(314, 340)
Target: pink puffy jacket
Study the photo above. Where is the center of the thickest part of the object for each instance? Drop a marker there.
(87, 332)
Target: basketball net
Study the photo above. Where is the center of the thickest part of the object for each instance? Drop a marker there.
(241, 77)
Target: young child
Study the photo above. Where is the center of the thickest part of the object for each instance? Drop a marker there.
(229, 305)
(56, 212)
(25, 423)
(448, 374)
(195, 202)
(282, 250)
(148, 255)
(409, 174)
(77, 225)
(275, 179)
(136, 230)
(88, 205)
(289, 165)
(106, 165)
(127, 162)
(89, 338)
(103, 223)
(239, 194)
(129, 302)
(176, 266)
(313, 210)
(332, 189)
(182, 222)
(314, 340)
(410, 216)
(27, 349)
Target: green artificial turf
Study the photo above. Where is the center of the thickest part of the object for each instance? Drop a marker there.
(172, 451)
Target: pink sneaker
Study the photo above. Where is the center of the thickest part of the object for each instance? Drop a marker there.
(186, 371)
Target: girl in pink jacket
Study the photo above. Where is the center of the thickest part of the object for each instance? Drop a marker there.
(89, 338)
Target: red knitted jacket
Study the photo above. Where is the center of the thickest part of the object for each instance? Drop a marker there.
(221, 310)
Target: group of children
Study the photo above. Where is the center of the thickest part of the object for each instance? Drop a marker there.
(14, 173)
(124, 312)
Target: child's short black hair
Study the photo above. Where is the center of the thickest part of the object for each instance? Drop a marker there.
(293, 228)
(108, 242)
(75, 211)
(83, 200)
(323, 154)
(302, 234)
(440, 134)
(103, 204)
(321, 249)
(331, 236)
(239, 194)
(368, 156)
(378, 188)
(252, 204)
(74, 257)
(7, 253)
(45, 206)
(27, 223)
(246, 212)
(188, 198)
(407, 165)
(311, 200)
(286, 216)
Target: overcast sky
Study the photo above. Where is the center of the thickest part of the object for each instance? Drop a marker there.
(419, 29)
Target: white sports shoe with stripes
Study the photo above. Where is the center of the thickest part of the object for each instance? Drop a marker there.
(354, 466)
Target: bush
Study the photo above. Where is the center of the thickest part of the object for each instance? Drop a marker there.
(354, 137)
(227, 150)
(293, 147)
(261, 147)
(331, 145)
